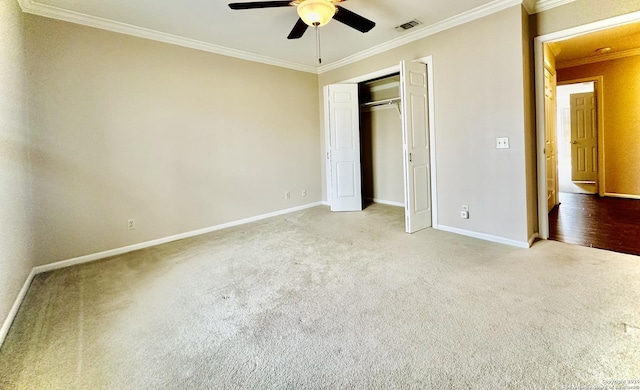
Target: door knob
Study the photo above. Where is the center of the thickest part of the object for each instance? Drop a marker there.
(574, 142)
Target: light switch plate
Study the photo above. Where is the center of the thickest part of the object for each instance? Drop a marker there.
(502, 143)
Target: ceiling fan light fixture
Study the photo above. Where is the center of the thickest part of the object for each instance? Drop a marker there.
(316, 12)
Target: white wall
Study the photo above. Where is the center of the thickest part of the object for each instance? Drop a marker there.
(16, 233)
(176, 138)
(479, 75)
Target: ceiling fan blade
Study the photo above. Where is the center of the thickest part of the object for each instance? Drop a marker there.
(353, 20)
(260, 4)
(298, 29)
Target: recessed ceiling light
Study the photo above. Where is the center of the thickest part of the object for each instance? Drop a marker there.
(603, 50)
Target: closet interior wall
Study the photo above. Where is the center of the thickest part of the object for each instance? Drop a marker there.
(381, 141)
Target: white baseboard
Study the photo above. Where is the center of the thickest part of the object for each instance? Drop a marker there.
(159, 241)
(16, 305)
(626, 196)
(483, 236)
(118, 251)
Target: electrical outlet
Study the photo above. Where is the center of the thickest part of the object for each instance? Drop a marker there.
(464, 214)
(131, 224)
(465, 207)
(502, 143)
(287, 195)
(303, 193)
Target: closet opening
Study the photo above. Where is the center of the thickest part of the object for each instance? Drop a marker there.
(381, 146)
(397, 133)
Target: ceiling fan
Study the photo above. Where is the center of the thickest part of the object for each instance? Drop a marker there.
(313, 13)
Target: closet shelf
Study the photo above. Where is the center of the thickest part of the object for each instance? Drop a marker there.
(381, 102)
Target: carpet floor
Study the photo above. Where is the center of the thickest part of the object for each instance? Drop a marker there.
(321, 300)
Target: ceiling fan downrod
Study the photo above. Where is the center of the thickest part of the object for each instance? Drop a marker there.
(317, 43)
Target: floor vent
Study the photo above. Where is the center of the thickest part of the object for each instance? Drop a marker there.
(408, 25)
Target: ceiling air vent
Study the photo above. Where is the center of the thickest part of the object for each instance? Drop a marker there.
(408, 25)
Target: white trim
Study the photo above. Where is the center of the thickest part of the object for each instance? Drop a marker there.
(598, 83)
(16, 306)
(483, 236)
(159, 241)
(543, 219)
(387, 202)
(35, 8)
(625, 196)
(373, 75)
(49, 11)
(544, 5)
(118, 251)
(598, 58)
(454, 21)
(589, 28)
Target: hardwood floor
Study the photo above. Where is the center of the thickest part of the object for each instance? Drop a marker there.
(589, 220)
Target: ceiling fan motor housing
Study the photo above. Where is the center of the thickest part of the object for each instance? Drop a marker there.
(316, 12)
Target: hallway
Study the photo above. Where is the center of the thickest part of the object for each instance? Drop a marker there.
(592, 221)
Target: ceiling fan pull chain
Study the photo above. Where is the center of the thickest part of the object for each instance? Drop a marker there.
(318, 44)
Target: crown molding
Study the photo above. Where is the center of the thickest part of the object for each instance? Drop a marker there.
(465, 17)
(48, 11)
(544, 5)
(35, 8)
(598, 58)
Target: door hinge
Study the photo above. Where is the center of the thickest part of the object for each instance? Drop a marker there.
(328, 156)
(410, 157)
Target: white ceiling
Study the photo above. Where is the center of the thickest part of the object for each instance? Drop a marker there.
(261, 34)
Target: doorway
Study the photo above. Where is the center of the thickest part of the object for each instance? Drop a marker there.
(557, 39)
(381, 141)
(343, 175)
(577, 137)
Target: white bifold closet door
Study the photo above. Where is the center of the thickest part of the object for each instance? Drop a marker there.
(415, 136)
(343, 146)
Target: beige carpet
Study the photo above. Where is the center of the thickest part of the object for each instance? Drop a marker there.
(328, 300)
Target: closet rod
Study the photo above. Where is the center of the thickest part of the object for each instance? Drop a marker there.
(381, 102)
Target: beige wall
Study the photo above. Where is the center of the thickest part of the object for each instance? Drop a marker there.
(16, 235)
(580, 12)
(621, 79)
(381, 139)
(176, 138)
(479, 95)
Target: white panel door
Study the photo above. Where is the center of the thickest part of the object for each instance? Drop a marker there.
(344, 147)
(584, 137)
(415, 135)
(550, 137)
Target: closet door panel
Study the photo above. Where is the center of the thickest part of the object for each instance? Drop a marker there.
(344, 147)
